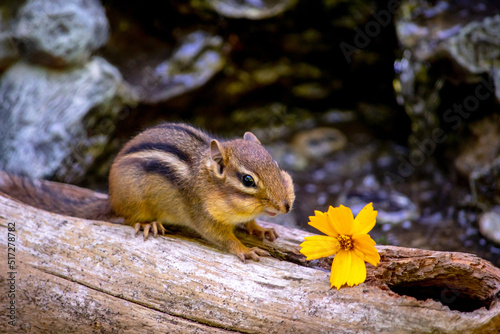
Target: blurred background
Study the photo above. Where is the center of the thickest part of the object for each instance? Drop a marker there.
(390, 102)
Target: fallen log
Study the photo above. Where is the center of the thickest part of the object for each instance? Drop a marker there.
(81, 276)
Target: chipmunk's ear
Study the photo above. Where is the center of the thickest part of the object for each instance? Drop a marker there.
(217, 158)
(251, 137)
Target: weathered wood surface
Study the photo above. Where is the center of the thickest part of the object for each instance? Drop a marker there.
(82, 276)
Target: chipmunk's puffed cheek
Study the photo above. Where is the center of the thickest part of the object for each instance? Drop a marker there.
(230, 214)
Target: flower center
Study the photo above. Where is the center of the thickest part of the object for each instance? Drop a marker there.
(345, 242)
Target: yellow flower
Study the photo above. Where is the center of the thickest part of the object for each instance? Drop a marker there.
(348, 238)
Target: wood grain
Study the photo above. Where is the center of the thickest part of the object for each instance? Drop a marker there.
(83, 276)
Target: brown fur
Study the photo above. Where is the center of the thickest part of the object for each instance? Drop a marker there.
(57, 197)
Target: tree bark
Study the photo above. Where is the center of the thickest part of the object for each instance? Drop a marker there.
(82, 276)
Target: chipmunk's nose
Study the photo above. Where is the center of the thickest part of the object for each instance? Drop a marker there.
(278, 208)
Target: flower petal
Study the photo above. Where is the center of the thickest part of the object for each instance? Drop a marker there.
(365, 244)
(341, 269)
(358, 271)
(318, 246)
(321, 222)
(373, 259)
(358, 253)
(365, 220)
(341, 219)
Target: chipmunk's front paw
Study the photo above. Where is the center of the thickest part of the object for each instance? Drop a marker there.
(148, 226)
(252, 253)
(261, 232)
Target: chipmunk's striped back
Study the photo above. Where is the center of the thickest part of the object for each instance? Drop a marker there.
(159, 163)
(169, 150)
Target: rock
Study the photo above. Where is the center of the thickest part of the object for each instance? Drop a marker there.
(496, 80)
(338, 116)
(353, 161)
(482, 148)
(485, 183)
(383, 118)
(319, 143)
(45, 114)
(287, 157)
(476, 46)
(192, 64)
(349, 14)
(393, 207)
(433, 34)
(479, 159)
(310, 91)
(8, 49)
(255, 74)
(250, 9)
(307, 146)
(489, 224)
(60, 33)
(464, 37)
(271, 122)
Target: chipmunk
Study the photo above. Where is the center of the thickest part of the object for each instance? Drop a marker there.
(176, 174)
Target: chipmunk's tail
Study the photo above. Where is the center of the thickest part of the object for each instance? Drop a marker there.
(57, 197)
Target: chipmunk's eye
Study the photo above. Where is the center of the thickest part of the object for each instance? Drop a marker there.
(247, 181)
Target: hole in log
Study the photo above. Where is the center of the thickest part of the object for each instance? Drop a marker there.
(455, 297)
(461, 281)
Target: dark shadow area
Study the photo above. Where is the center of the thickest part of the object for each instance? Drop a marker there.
(448, 296)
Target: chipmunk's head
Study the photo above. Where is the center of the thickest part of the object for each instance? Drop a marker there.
(251, 178)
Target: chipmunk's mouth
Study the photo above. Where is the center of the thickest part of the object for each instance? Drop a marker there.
(270, 213)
